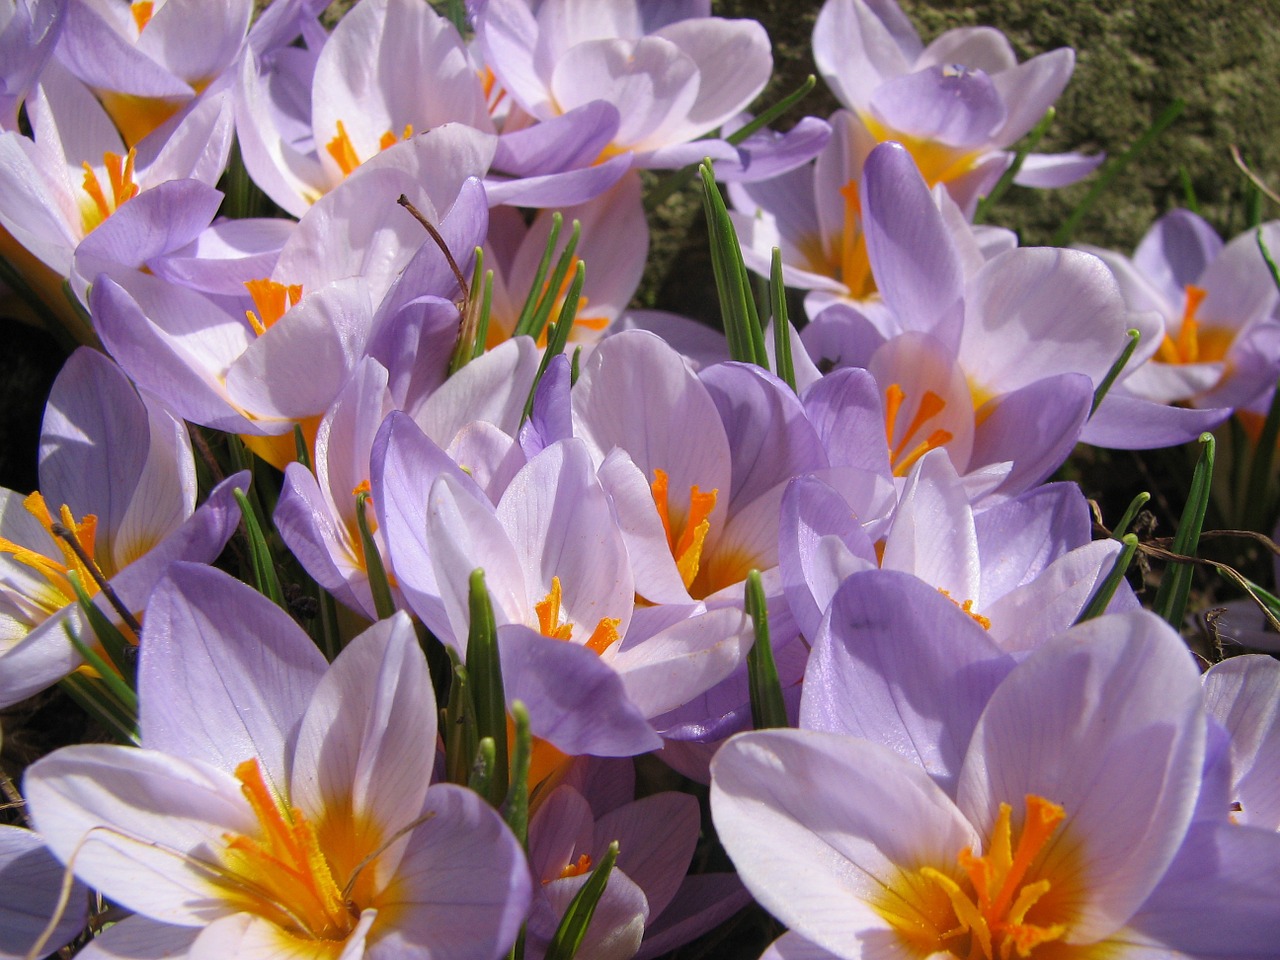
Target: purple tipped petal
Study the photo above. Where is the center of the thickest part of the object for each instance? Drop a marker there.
(890, 643)
(202, 623)
(575, 701)
(915, 262)
(953, 105)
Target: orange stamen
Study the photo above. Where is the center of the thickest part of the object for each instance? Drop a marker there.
(119, 172)
(686, 548)
(855, 267)
(343, 153)
(931, 404)
(1186, 348)
(85, 533)
(967, 607)
(142, 11)
(389, 139)
(549, 625)
(577, 869)
(548, 610)
(281, 874)
(272, 300)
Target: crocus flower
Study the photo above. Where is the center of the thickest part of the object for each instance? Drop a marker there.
(116, 473)
(656, 837)
(957, 104)
(1219, 344)
(998, 366)
(1023, 569)
(77, 175)
(283, 360)
(672, 72)
(286, 809)
(148, 60)
(1071, 799)
(390, 70)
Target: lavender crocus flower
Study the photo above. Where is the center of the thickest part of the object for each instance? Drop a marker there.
(1218, 346)
(672, 72)
(116, 472)
(957, 104)
(998, 366)
(148, 61)
(1075, 784)
(285, 761)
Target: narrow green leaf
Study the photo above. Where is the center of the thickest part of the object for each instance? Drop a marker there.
(326, 632)
(575, 366)
(482, 322)
(379, 585)
(460, 739)
(122, 654)
(737, 305)
(1268, 258)
(263, 566)
(557, 336)
(525, 320)
(767, 707)
(301, 452)
(1029, 143)
(1097, 604)
(487, 692)
(1112, 169)
(547, 295)
(1188, 190)
(1136, 504)
(577, 916)
(781, 323)
(464, 348)
(517, 805)
(1116, 369)
(1175, 586)
(482, 767)
(104, 708)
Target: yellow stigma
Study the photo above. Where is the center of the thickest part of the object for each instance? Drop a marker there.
(281, 873)
(272, 299)
(100, 205)
(937, 162)
(685, 535)
(1001, 905)
(902, 454)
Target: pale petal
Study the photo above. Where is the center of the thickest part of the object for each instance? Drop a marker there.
(1105, 720)
(813, 822)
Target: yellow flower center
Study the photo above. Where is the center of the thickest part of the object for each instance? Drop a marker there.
(272, 299)
(1001, 904)
(549, 625)
(281, 873)
(937, 162)
(904, 447)
(56, 573)
(1194, 342)
(686, 534)
(100, 204)
(142, 12)
(967, 607)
